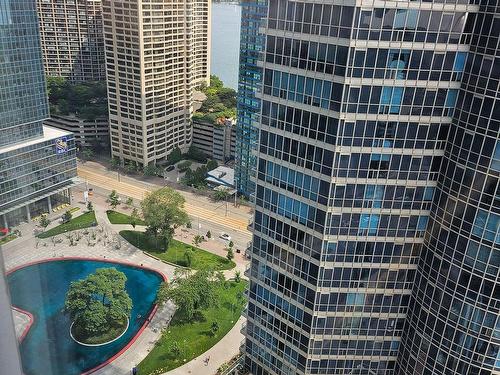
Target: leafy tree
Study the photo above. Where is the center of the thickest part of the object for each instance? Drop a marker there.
(150, 170)
(174, 156)
(212, 164)
(237, 276)
(196, 178)
(220, 195)
(134, 217)
(90, 207)
(44, 221)
(184, 165)
(230, 244)
(129, 202)
(209, 234)
(98, 301)
(214, 328)
(113, 199)
(191, 291)
(163, 211)
(189, 225)
(215, 81)
(67, 216)
(196, 154)
(115, 163)
(188, 256)
(131, 167)
(87, 153)
(230, 254)
(197, 240)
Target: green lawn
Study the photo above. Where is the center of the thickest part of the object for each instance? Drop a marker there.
(176, 250)
(195, 338)
(7, 238)
(119, 218)
(83, 221)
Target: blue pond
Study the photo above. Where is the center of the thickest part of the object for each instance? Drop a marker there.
(41, 289)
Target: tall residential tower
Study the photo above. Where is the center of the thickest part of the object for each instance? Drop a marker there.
(357, 103)
(37, 163)
(157, 52)
(72, 39)
(453, 323)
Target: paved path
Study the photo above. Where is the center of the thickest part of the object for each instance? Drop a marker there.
(28, 249)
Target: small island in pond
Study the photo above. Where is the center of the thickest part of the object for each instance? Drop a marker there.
(99, 307)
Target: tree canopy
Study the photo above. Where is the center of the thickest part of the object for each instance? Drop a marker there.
(220, 102)
(98, 300)
(163, 211)
(191, 291)
(87, 100)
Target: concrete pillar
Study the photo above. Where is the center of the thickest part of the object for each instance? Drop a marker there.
(69, 196)
(28, 213)
(49, 203)
(5, 224)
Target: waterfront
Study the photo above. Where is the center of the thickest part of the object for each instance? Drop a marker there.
(226, 21)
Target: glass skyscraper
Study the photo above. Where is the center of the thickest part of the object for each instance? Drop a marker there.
(250, 74)
(358, 151)
(453, 323)
(37, 163)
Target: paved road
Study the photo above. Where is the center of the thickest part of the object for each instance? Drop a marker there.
(197, 207)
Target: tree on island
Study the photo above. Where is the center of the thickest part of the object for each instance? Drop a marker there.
(191, 291)
(163, 211)
(99, 303)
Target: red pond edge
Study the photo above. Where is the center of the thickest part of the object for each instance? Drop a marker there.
(136, 336)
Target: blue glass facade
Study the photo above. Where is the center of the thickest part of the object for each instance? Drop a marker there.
(453, 324)
(251, 46)
(23, 97)
(356, 116)
(37, 163)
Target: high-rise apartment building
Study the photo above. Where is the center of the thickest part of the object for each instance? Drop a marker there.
(453, 323)
(357, 139)
(37, 163)
(157, 52)
(72, 39)
(251, 46)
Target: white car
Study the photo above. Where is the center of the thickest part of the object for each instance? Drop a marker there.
(225, 236)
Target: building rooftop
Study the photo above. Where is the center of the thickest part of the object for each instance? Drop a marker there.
(48, 134)
(221, 176)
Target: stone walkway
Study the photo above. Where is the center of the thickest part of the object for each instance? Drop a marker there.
(108, 245)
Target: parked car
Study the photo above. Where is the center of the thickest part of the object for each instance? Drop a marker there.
(225, 236)
(170, 168)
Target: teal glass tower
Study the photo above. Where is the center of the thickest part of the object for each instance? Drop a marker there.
(250, 74)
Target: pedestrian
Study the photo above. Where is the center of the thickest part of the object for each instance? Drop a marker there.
(134, 370)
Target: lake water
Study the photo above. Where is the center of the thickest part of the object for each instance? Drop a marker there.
(226, 22)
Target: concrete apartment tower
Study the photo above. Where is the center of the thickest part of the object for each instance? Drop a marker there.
(37, 163)
(157, 52)
(72, 39)
(376, 231)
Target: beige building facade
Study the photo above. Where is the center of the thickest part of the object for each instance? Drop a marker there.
(72, 39)
(157, 52)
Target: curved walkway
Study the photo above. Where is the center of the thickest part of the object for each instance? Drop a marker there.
(28, 249)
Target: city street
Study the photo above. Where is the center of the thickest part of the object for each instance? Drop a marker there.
(223, 215)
